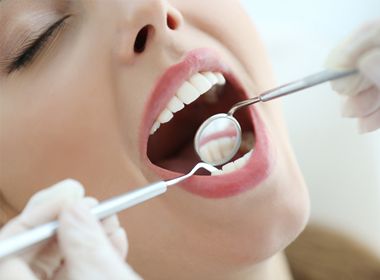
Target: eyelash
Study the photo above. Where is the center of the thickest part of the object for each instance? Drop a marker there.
(31, 50)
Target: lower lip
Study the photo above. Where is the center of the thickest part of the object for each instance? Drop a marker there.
(256, 170)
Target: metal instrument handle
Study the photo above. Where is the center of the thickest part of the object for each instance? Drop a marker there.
(108, 207)
(309, 81)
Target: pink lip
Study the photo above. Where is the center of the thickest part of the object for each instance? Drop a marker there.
(259, 165)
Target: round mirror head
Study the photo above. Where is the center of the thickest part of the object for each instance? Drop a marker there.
(218, 139)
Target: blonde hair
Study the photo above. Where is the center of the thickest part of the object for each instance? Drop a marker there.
(320, 253)
(317, 254)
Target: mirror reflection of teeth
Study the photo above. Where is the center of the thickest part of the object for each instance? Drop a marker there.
(232, 166)
(190, 91)
(217, 150)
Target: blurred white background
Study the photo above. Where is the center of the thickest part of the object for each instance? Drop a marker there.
(341, 167)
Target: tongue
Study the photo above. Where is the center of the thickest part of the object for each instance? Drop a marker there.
(182, 162)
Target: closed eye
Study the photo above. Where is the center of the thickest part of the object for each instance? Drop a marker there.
(34, 46)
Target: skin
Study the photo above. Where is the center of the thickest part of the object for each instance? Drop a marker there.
(76, 110)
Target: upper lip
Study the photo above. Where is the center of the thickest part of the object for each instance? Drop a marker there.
(258, 166)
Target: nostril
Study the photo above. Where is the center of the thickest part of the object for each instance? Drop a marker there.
(141, 39)
(171, 22)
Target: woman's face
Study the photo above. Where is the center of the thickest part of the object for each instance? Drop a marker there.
(83, 82)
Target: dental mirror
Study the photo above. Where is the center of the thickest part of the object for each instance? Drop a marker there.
(219, 137)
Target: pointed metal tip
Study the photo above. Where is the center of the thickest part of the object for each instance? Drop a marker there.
(204, 165)
(198, 166)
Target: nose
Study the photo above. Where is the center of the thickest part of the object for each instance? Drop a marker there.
(143, 20)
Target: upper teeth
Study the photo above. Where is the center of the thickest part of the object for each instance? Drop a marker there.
(190, 91)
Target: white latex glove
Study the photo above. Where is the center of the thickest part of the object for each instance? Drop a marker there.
(85, 249)
(361, 51)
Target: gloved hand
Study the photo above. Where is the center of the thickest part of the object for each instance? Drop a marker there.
(84, 249)
(361, 51)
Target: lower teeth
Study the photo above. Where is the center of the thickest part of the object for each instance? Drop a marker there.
(218, 149)
(235, 165)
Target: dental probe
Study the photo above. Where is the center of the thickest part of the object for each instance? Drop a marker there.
(222, 125)
(292, 87)
(106, 208)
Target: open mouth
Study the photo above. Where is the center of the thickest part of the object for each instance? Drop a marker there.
(185, 96)
(204, 94)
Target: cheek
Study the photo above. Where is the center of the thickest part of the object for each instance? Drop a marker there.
(51, 132)
(61, 120)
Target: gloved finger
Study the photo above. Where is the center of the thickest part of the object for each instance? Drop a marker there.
(48, 260)
(33, 217)
(68, 188)
(369, 65)
(116, 235)
(15, 269)
(346, 54)
(35, 214)
(88, 252)
(370, 123)
(349, 54)
(351, 85)
(119, 242)
(44, 258)
(363, 104)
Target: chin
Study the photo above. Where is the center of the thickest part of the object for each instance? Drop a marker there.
(266, 220)
(279, 213)
(271, 232)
